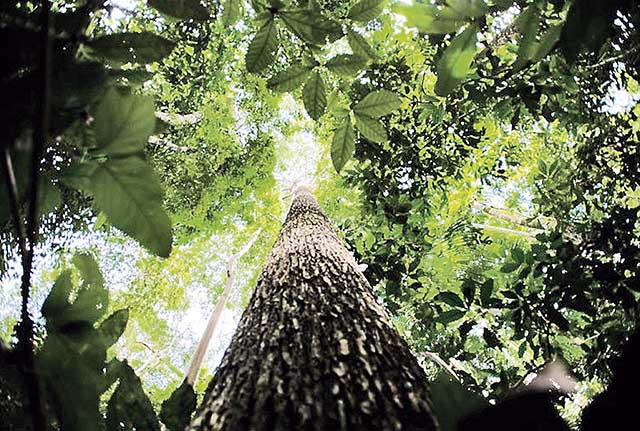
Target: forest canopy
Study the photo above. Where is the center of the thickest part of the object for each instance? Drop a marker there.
(478, 158)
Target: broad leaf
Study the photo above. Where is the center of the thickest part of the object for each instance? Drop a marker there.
(177, 409)
(232, 12)
(547, 42)
(58, 298)
(450, 298)
(371, 128)
(93, 298)
(452, 401)
(113, 326)
(311, 26)
(314, 96)
(528, 23)
(378, 103)
(131, 47)
(133, 76)
(428, 18)
(468, 8)
(450, 316)
(343, 144)
(181, 9)
(123, 123)
(128, 192)
(366, 10)
(455, 64)
(346, 64)
(359, 45)
(289, 79)
(262, 48)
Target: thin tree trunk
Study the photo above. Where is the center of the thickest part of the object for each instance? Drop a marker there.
(314, 350)
(198, 356)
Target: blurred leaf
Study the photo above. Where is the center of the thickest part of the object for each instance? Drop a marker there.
(528, 23)
(366, 10)
(181, 9)
(131, 47)
(177, 409)
(452, 401)
(509, 267)
(455, 63)
(342, 145)
(450, 298)
(468, 8)
(113, 327)
(314, 97)
(232, 12)
(311, 26)
(428, 18)
(262, 48)
(58, 298)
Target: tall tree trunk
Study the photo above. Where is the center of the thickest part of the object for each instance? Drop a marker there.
(314, 350)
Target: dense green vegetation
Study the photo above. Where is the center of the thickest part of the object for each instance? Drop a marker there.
(480, 159)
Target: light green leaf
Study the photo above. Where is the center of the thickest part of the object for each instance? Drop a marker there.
(143, 47)
(378, 103)
(262, 48)
(359, 45)
(133, 76)
(346, 64)
(289, 79)
(123, 123)
(181, 9)
(366, 10)
(371, 128)
(428, 18)
(311, 26)
(129, 194)
(455, 64)
(232, 12)
(314, 96)
(343, 144)
(468, 8)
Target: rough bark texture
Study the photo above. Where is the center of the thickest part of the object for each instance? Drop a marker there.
(314, 350)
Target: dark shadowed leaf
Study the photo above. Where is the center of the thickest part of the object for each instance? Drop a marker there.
(290, 79)
(262, 48)
(366, 10)
(359, 45)
(311, 26)
(113, 327)
(342, 145)
(346, 64)
(232, 11)
(450, 298)
(58, 298)
(181, 9)
(131, 47)
(450, 316)
(314, 96)
(177, 409)
(452, 401)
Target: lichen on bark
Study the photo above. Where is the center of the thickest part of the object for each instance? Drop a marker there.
(314, 350)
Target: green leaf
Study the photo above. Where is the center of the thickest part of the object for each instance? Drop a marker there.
(129, 407)
(428, 18)
(468, 8)
(314, 97)
(509, 267)
(360, 46)
(452, 401)
(261, 51)
(289, 79)
(547, 42)
(177, 409)
(89, 270)
(232, 12)
(311, 26)
(366, 10)
(129, 193)
(450, 316)
(528, 23)
(518, 255)
(343, 144)
(450, 298)
(58, 298)
(486, 289)
(93, 298)
(181, 9)
(371, 128)
(143, 47)
(113, 327)
(455, 63)
(378, 103)
(133, 76)
(346, 64)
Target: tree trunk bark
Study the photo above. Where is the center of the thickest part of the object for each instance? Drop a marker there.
(314, 350)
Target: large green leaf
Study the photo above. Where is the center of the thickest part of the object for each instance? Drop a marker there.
(143, 47)
(378, 103)
(455, 63)
(289, 79)
(547, 42)
(452, 401)
(450, 298)
(232, 12)
(58, 298)
(262, 48)
(359, 45)
(428, 18)
(123, 123)
(128, 192)
(528, 23)
(346, 64)
(311, 26)
(181, 9)
(371, 128)
(113, 326)
(93, 298)
(468, 8)
(366, 10)
(343, 144)
(177, 409)
(314, 96)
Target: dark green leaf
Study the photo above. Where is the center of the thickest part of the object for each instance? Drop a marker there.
(450, 316)
(486, 289)
(509, 267)
(113, 327)
(311, 26)
(290, 79)
(450, 298)
(232, 12)
(547, 42)
(468, 289)
(177, 409)
(455, 63)
(468, 8)
(181, 9)
(262, 48)
(93, 298)
(528, 23)
(452, 401)
(346, 64)
(342, 145)
(58, 298)
(123, 123)
(378, 103)
(131, 47)
(314, 96)
(371, 128)
(366, 10)
(518, 255)
(359, 45)
(129, 193)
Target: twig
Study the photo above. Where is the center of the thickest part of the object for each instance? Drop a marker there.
(433, 357)
(14, 204)
(613, 59)
(194, 367)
